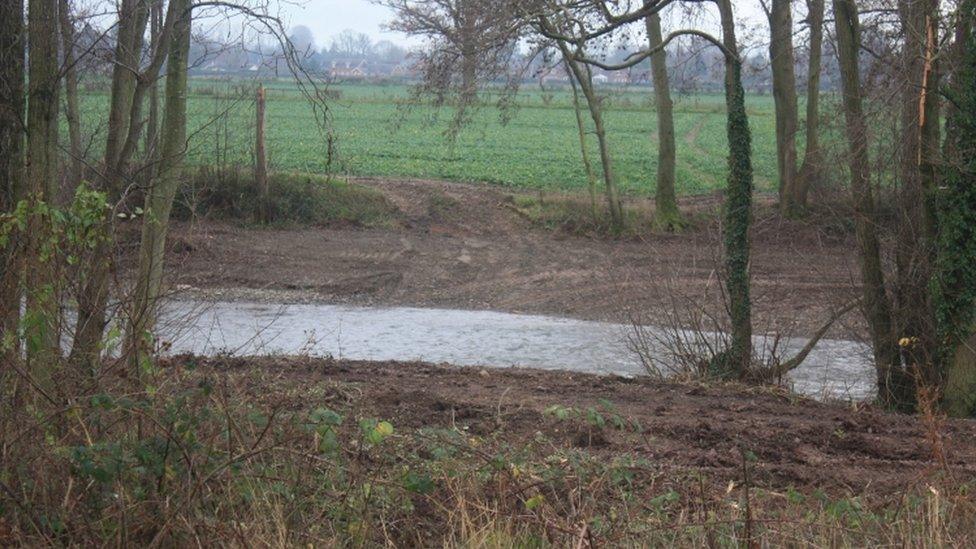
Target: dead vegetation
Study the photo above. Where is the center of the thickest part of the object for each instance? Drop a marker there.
(282, 452)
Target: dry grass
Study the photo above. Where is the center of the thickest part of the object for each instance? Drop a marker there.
(190, 457)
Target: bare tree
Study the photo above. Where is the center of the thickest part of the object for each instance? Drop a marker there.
(894, 383)
(152, 120)
(12, 105)
(352, 43)
(42, 187)
(918, 311)
(780, 16)
(736, 361)
(133, 16)
(667, 215)
(469, 40)
(919, 153)
(581, 132)
(72, 110)
(126, 122)
(302, 39)
(130, 84)
(812, 168)
(260, 156)
(583, 75)
(159, 199)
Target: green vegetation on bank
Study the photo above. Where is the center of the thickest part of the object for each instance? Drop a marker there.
(378, 133)
(295, 198)
(226, 452)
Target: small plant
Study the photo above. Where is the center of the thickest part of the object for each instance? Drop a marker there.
(596, 417)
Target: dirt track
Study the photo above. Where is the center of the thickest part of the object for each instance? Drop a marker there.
(465, 246)
(683, 428)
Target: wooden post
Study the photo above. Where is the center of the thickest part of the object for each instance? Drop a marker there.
(260, 159)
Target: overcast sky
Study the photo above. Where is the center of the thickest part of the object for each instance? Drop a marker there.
(327, 18)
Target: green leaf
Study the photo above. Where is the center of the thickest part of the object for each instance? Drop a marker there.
(418, 483)
(329, 443)
(325, 416)
(384, 428)
(534, 501)
(375, 432)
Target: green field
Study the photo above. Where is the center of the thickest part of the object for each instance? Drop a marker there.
(537, 148)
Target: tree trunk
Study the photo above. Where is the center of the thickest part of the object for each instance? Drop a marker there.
(123, 130)
(42, 185)
(894, 383)
(159, 199)
(919, 141)
(959, 393)
(12, 106)
(469, 54)
(812, 167)
(667, 215)
(584, 152)
(584, 77)
(72, 112)
(469, 75)
(738, 205)
(133, 16)
(152, 121)
(956, 290)
(784, 96)
(260, 158)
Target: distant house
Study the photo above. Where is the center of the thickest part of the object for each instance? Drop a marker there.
(405, 69)
(349, 69)
(601, 79)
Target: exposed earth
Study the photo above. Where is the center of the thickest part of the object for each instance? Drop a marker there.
(469, 246)
(678, 427)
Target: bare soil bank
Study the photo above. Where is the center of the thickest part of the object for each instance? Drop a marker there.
(467, 246)
(682, 428)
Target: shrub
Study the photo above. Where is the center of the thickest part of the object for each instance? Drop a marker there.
(295, 198)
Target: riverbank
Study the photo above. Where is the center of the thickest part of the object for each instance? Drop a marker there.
(481, 247)
(678, 427)
(288, 451)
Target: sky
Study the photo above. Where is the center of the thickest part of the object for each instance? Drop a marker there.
(327, 18)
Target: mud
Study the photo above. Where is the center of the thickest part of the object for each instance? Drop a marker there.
(682, 428)
(464, 246)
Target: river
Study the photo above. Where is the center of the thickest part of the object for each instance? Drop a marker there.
(836, 368)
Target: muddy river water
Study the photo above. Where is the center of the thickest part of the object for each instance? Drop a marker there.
(835, 368)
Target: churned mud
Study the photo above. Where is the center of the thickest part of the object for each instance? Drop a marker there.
(468, 246)
(791, 442)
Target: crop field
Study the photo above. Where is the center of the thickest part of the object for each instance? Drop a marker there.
(379, 132)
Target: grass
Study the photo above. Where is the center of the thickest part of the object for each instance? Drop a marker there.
(538, 148)
(576, 216)
(246, 456)
(295, 199)
(573, 214)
